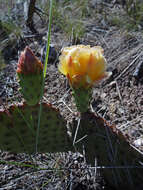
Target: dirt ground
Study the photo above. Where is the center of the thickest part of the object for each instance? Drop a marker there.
(118, 99)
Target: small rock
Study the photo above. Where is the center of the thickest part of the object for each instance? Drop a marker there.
(138, 73)
(52, 54)
(138, 142)
(121, 110)
(103, 95)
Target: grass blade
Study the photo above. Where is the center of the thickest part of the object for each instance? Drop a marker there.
(44, 74)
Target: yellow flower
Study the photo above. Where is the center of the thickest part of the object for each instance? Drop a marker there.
(83, 65)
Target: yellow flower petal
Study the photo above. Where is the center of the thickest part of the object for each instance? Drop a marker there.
(83, 65)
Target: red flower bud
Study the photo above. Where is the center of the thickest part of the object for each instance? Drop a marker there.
(28, 63)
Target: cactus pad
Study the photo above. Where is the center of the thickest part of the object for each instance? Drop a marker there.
(30, 76)
(121, 163)
(18, 126)
(31, 87)
(82, 98)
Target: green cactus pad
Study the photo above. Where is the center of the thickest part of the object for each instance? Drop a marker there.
(121, 163)
(18, 126)
(82, 98)
(30, 87)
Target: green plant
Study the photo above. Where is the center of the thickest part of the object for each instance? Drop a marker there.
(9, 26)
(119, 161)
(30, 75)
(134, 9)
(117, 21)
(68, 16)
(18, 126)
(38, 127)
(2, 62)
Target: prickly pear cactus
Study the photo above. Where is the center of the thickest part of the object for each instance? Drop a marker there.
(82, 98)
(18, 127)
(30, 76)
(121, 163)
